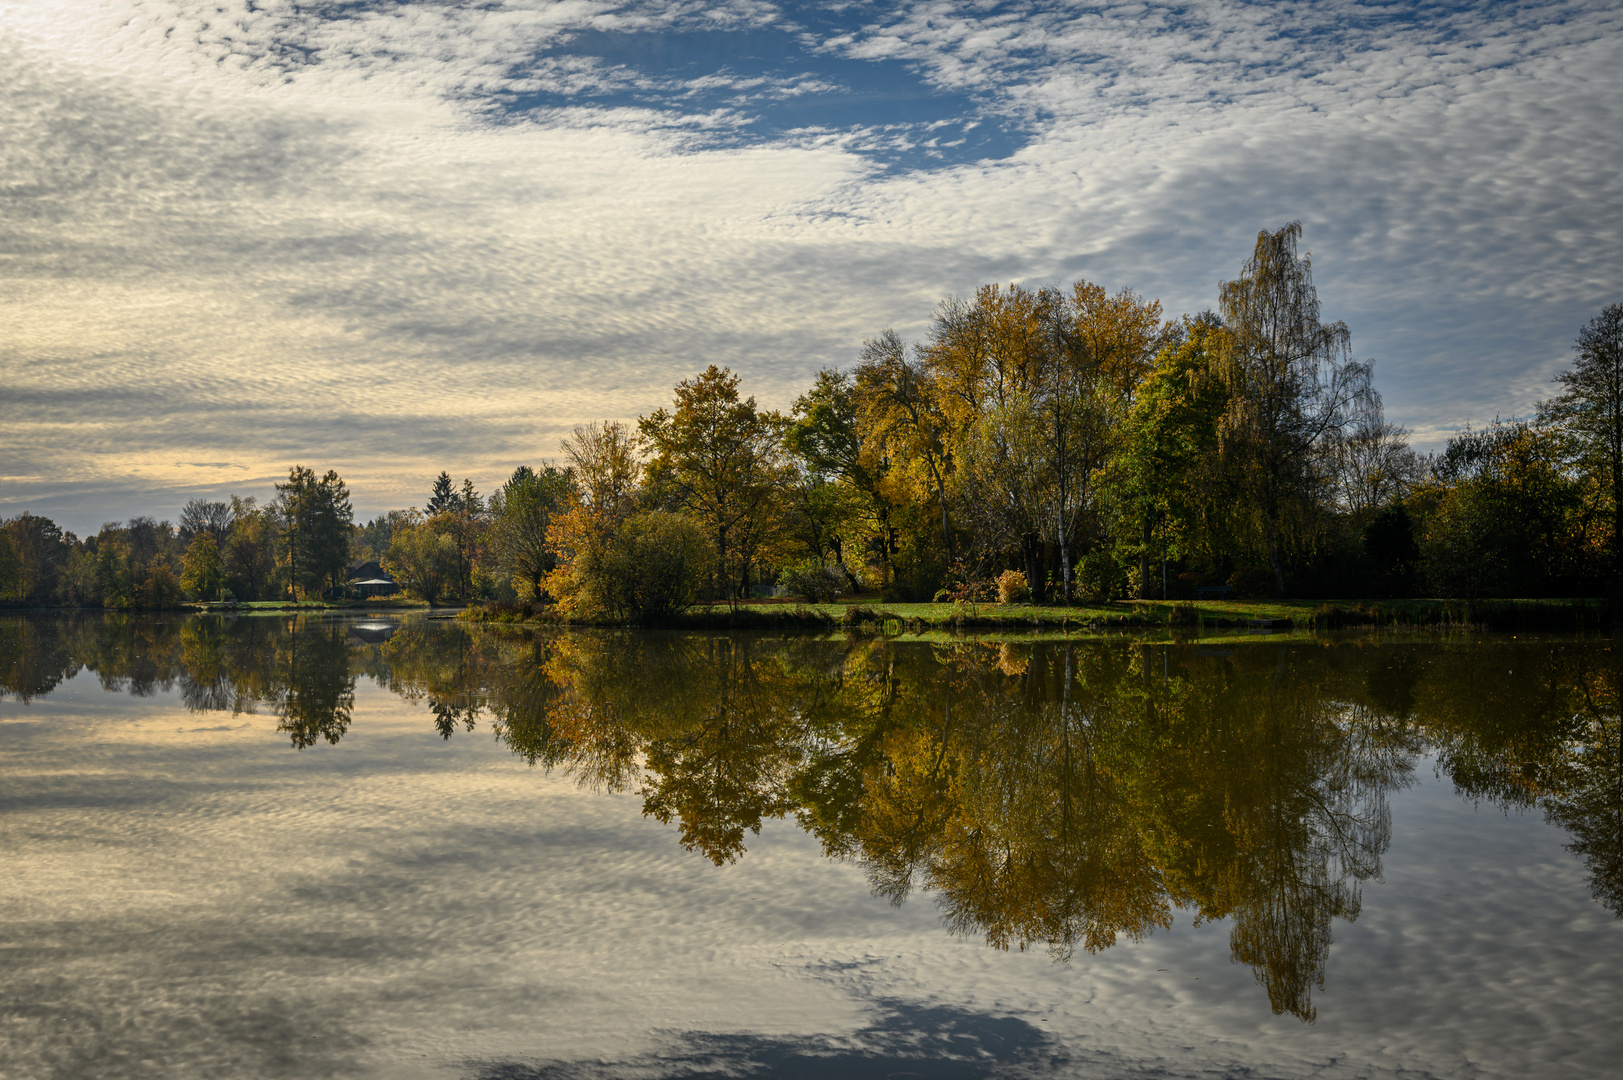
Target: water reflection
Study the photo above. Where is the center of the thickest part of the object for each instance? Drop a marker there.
(1063, 794)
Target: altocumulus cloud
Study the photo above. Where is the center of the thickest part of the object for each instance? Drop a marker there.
(394, 237)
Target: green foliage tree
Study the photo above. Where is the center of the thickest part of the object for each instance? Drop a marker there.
(424, 559)
(250, 550)
(461, 516)
(203, 571)
(1165, 479)
(906, 432)
(1502, 515)
(1589, 411)
(720, 458)
(443, 498)
(316, 517)
(372, 539)
(114, 582)
(522, 514)
(655, 567)
(836, 505)
(10, 568)
(41, 549)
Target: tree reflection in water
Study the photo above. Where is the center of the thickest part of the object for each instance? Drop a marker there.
(1065, 793)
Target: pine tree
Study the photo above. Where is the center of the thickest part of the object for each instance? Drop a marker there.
(444, 499)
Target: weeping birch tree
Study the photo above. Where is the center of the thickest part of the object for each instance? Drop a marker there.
(1293, 386)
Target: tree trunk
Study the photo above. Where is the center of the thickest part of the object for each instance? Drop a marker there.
(1273, 561)
(1144, 563)
(1033, 565)
(1065, 572)
(1617, 519)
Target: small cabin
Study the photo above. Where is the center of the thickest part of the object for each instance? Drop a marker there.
(369, 579)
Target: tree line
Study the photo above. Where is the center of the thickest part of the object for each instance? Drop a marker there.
(295, 546)
(1062, 444)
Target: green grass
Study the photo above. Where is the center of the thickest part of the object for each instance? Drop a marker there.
(857, 613)
(873, 615)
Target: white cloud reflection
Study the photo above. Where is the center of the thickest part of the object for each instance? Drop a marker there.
(187, 900)
(392, 238)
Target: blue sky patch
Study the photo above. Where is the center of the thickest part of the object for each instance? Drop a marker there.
(770, 85)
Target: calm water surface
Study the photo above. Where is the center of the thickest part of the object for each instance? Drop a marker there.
(278, 847)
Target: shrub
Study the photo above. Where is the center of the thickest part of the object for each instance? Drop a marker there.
(1184, 613)
(965, 585)
(813, 582)
(871, 577)
(161, 588)
(856, 616)
(506, 611)
(1333, 616)
(653, 569)
(1012, 587)
(1098, 577)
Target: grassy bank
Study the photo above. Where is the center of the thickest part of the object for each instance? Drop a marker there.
(872, 614)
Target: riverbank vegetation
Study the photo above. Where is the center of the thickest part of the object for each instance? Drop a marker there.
(1043, 446)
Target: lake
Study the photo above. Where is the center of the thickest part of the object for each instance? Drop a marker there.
(290, 846)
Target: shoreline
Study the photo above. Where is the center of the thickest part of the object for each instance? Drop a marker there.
(1551, 614)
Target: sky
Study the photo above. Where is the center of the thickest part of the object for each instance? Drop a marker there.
(391, 238)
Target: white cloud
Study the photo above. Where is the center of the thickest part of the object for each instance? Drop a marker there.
(274, 232)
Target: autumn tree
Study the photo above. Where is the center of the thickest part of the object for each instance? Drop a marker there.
(1006, 478)
(907, 433)
(1293, 387)
(1029, 384)
(604, 460)
(1106, 345)
(720, 459)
